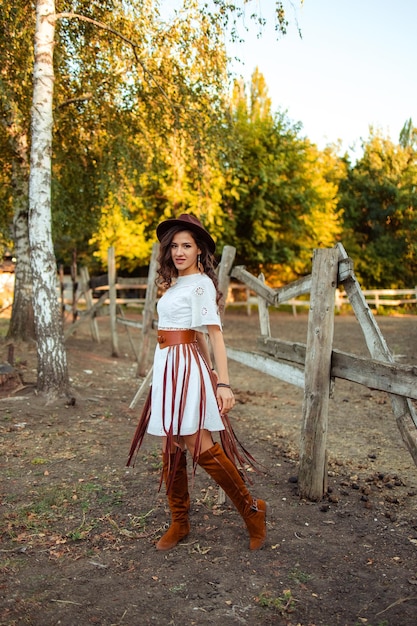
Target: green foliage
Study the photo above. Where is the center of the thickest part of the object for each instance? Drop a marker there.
(284, 604)
(6, 208)
(298, 576)
(137, 129)
(145, 128)
(379, 200)
(281, 192)
(122, 225)
(140, 118)
(16, 43)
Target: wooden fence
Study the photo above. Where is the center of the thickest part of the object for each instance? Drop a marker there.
(312, 366)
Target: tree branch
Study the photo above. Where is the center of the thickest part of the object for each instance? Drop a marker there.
(116, 33)
(82, 98)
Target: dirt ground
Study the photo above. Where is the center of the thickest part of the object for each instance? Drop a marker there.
(78, 528)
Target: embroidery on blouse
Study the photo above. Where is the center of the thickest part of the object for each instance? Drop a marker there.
(199, 291)
(204, 311)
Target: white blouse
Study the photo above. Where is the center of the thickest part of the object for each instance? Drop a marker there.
(189, 303)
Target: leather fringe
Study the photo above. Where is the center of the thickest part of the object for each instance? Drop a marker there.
(230, 443)
(140, 431)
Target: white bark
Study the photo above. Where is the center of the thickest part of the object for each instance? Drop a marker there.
(52, 362)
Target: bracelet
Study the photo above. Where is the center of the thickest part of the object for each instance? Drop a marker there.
(223, 385)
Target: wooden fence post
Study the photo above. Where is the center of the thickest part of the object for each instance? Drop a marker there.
(225, 266)
(224, 269)
(74, 283)
(313, 472)
(111, 270)
(264, 324)
(148, 312)
(85, 286)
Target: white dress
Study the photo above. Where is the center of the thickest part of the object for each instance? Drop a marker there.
(182, 390)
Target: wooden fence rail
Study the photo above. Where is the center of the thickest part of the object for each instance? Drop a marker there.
(242, 295)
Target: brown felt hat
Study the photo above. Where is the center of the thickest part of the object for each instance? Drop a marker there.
(187, 222)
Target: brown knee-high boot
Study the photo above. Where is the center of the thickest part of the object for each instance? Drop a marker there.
(225, 473)
(179, 501)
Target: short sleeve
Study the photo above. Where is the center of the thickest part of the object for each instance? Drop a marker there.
(204, 308)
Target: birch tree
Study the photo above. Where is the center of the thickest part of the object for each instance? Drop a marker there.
(53, 376)
(16, 41)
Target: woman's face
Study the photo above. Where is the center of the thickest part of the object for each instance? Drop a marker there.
(184, 253)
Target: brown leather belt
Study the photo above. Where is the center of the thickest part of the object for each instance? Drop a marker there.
(175, 337)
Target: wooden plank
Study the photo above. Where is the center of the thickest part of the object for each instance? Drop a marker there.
(85, 282)
(111, 269)
(400, 380)
(133, 282)
(273, 296)
(392, 378)
(264, 323)
(345, 267)
(144, 386)
(254, 283)
(122, 285)
(285, 350)
(224, 268)
(139, 301)
(383, 302)
(293, 290)
(388, 292)
(284, 371)
(127, 322)
(86, 315)
(403, 408)
(312, 469)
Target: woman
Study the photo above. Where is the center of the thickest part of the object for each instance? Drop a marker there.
(188, 401)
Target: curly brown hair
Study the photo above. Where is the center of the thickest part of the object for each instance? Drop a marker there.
(166, 269)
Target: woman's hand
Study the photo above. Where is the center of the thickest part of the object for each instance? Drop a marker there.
(225, 399)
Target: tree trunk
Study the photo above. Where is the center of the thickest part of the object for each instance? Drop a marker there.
(21, 325)
(53, 379)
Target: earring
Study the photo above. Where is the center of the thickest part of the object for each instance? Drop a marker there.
(199, 265)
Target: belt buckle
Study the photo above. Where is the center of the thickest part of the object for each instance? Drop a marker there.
(161, 338)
